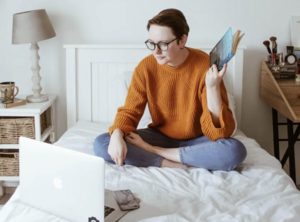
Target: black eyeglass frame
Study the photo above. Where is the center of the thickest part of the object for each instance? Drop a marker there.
(158, 44)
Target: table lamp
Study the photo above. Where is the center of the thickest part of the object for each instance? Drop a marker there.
(32, 27)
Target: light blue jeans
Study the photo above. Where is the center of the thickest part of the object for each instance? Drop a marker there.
(223, 154)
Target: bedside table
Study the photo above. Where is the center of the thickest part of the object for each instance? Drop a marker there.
(34, 120)
(283, 95)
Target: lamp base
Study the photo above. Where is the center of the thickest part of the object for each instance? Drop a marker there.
(40, 99)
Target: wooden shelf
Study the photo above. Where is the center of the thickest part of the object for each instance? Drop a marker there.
(281, 94)
(9, 146)
(5, 198)
(47, 133)
(8, 192)
(9, 178)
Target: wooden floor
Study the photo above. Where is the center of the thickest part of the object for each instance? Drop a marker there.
(8, 192)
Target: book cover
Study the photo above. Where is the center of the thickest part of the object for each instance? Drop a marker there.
(17, 102)
(225, 49)
(112, 210)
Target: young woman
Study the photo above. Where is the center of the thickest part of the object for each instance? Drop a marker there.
(191, 121)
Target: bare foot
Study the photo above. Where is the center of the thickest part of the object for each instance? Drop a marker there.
(172, 164)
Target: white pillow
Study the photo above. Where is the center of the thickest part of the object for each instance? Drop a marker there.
(232, 107)
(146, 118)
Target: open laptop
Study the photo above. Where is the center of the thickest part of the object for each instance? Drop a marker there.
(65, 183)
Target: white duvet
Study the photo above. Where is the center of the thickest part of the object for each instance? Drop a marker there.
(258, 191)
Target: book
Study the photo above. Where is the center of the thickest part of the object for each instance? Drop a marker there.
(16, 102)
(113, 202)
(226, 48)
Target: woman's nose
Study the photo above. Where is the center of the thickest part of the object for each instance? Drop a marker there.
(157, 50)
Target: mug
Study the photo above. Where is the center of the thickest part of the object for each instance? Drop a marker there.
(8, 92)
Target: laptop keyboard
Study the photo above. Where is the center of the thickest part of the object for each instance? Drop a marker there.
(108, 210)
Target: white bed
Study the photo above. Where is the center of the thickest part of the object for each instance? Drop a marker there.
(259, 190)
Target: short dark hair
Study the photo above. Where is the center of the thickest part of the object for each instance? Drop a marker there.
(172, 18)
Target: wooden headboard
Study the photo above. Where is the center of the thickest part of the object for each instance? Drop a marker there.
(96, 78)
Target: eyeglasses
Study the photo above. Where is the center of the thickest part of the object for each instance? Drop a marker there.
(163, 46)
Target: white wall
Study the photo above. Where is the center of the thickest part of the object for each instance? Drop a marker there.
(120, 21)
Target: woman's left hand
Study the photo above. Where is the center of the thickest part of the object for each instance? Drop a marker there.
(135, 139)
(214, 77)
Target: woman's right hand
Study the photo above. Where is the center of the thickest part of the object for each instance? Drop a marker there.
(117, 148)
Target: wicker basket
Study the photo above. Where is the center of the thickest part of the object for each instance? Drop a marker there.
(9, 163)
(11, 128)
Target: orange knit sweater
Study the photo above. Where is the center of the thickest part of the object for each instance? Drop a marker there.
(176, 98)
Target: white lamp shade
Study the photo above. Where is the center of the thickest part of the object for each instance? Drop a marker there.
(31, 26)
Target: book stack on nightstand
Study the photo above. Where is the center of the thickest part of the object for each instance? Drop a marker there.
(33, 120)
(16, 102)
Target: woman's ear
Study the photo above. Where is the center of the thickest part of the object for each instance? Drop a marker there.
(182, 41)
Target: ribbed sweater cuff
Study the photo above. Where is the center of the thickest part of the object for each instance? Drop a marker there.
(122, 124)
(210, 130)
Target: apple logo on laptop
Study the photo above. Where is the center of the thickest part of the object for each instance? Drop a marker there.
(93, 219)
(57, 183)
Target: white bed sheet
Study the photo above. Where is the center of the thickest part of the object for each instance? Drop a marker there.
(259, 191)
